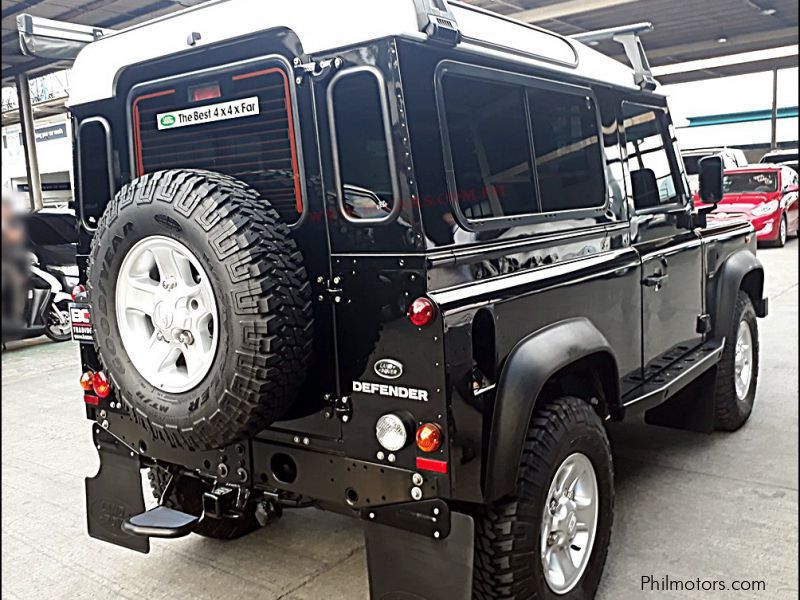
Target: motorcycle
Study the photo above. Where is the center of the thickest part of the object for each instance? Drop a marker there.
(37, 284)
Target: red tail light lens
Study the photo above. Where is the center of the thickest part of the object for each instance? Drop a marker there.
(102, 387)
(421, 312)
(79, 293)
(87, 381)
(429, 437)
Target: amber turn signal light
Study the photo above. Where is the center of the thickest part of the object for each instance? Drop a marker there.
(87, 381)
(429, 437)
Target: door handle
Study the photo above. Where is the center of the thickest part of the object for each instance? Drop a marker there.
(656, 280)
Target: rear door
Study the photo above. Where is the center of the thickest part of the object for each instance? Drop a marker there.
(252, 120)
(671, 252)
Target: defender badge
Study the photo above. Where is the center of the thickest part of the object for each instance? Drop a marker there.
(388, 368)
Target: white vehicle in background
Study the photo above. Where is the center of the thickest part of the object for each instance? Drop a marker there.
(788, 157)
(731, 159)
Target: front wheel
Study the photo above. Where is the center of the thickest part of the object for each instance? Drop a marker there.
(58, 326)
(783, 233)
(737, 373)
(549, 539)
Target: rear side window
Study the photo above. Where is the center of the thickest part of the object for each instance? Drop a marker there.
(362, 145)
(520, 149)
(490, 148)
(94, 169)
(569, 159)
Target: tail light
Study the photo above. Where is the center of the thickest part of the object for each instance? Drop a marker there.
(78, 293)
(429, 437)
(421, 312)
(101, 385)
(87, 381)
(391, 432)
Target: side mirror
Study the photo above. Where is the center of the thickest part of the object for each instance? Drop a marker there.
(710, 171)
(645, 188)
(791, 188)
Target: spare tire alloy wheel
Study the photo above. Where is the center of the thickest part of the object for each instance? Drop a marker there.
(167, 314)
(201, 306)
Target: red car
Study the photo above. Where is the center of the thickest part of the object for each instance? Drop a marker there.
(765, 195)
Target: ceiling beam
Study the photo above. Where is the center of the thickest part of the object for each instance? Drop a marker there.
(726, 61)
(733, 41)
(565, 9)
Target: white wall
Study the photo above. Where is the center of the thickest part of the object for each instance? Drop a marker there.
(723, 95)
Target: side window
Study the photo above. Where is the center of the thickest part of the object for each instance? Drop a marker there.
(569, 158)
(488, 135)
(95, 177)
(362, 146)
(650, 156)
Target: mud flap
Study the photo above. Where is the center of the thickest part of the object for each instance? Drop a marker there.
(408, 566)
(691, 409)
(115, 493)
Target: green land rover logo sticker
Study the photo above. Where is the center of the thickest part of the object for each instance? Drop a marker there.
(199, 115)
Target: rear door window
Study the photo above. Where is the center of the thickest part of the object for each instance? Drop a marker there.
(362, 146)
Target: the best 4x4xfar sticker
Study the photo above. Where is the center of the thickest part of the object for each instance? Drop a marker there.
(222, 111)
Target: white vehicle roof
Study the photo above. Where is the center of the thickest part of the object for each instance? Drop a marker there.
(325, 25)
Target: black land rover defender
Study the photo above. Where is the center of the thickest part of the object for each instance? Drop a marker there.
(401, 263)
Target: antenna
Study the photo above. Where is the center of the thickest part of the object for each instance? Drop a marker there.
(628, 37)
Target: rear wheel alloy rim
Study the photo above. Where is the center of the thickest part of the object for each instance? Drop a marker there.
(743, 360)
(59, 321)
(569, 523)
(167, 314)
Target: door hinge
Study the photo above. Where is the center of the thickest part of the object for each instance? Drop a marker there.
(315, 68)
(704, 324)
(328, 290)
(338, 408)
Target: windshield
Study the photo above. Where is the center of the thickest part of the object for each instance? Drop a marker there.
(750, 183)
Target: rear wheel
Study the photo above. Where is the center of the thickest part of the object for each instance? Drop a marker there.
(58, 327)
(737, 372)
(783, 233)
(550, 538)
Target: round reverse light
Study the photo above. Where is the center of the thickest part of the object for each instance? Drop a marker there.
(421, 312)
(391, 432)
(429, 437)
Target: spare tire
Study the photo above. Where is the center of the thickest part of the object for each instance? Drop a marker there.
(201, 306)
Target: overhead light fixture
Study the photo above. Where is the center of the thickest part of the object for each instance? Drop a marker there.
(722, 39)
(768, 12)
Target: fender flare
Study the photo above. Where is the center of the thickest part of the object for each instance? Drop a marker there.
(530, 364)
(730, 277)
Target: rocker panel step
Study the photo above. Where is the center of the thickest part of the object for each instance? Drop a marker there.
(161, 522)
(674, 378)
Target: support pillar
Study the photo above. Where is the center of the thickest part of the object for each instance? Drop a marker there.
(773, 143)
(29, 142)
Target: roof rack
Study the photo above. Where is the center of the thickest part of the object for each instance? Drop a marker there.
(55, 40)
(628, 37)
(436, 20)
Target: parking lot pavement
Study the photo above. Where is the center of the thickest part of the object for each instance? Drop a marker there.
(688, 506)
